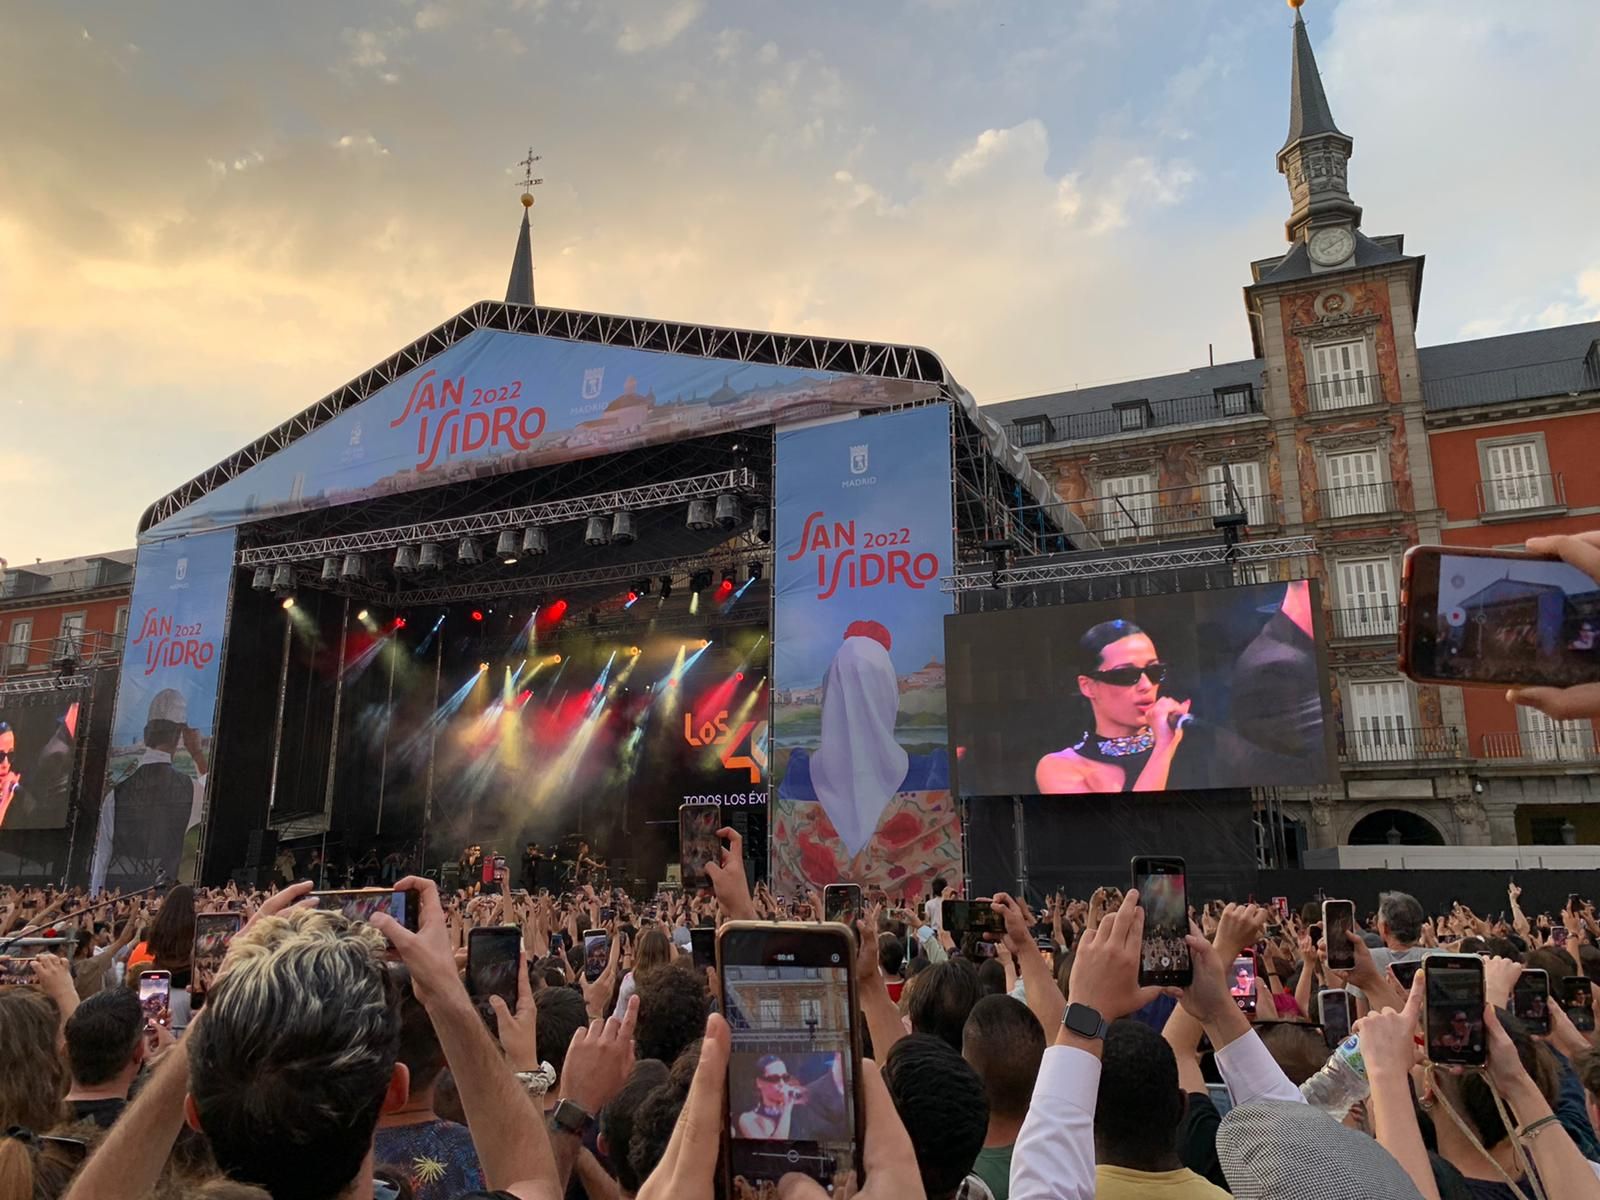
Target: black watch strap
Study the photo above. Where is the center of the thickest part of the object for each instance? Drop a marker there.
(1086, 1022)
(568, 1117)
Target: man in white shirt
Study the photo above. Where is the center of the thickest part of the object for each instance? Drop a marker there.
(1400, 919)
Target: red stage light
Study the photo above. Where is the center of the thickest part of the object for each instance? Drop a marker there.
(740, 676)
(399, 622)
(632, 597)
(555, 612)
(476, 615)
(724, 590)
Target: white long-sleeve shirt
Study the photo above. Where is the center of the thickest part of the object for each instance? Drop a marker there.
(1054, 1155)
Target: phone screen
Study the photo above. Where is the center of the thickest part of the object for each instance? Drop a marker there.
(1333, 1010)
(841, 902)
(793, 1103)
(1530, 1000)
(1405, 973)
(703, 945)
(360, 903)
(15, 970)
(212, 933)
(596, 952)
(698, 843)
(1338, 921)
(1454, 1014)
(961, 917)
(155, 996)
(492, 963)
(1579, 1003)
(1242, 982)
(1164, 955)
(1500, 618)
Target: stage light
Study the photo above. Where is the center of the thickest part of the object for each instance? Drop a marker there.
(703, 643)
(262, 580)
(728, 512)
(598, 532)
(477, 615)
(641, 587)
(468, 552)
(633, 598)
(557, 611)
(405, 560)
(623, 532)
(694, 603)
(354, 567)
(666, 586)
(362, 615)
(738, 676)
(634, 651)
(535, 541)
(399, 622)
(505, 547)
(282, 577)
(727, 577)
(330, 569)
(701, 515)
(755, 571)
(430, 557)
(483, 667)
(762, 525)
(700, 580)
(288, 602)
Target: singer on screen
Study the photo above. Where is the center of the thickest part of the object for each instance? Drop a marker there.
(1135, 736)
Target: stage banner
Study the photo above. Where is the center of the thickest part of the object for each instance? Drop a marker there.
(863, 533)
(498, 401)
(166, 703)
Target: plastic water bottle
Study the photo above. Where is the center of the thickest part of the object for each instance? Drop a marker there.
(1341, 1083)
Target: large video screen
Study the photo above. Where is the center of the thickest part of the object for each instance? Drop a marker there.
(1218, 689)
(38, 750)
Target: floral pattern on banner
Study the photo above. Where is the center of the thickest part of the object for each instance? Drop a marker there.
(918, 839)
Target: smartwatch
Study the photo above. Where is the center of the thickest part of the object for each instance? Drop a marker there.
(568, 1117)
(1084, 1021)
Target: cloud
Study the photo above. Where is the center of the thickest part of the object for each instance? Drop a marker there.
(657, 25)
(361, 143)
(1028, 140)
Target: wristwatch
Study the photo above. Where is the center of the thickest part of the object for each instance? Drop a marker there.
(1085, 1022)
(568, 1117)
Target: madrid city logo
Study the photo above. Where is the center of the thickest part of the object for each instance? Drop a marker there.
(593, 380)
(858, 460)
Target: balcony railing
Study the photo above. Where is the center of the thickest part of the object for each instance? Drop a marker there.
(1515, 493)
(1399, 743)
(1369, 621)
(1348, 391)
(1358, 499)
(1144, 518)
(1028, 432)
(1568, 745)
(85, 649)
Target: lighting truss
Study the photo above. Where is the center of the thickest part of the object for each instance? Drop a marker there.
(48, 683)
(656, 495)
(1211, 555)
(745, 550)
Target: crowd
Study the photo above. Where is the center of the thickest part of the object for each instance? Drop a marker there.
(331, 1059)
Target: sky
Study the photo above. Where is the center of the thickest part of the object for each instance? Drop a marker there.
(213, 213)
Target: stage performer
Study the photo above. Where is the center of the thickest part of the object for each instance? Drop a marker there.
(861, 807)
(1133, 739)
(533, 869)
(10, 777)
(1277, 700)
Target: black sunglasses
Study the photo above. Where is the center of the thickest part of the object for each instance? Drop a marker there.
(7, 754)
(1155, 672)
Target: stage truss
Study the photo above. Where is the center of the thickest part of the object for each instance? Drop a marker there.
(51, 683)
(1172, 558)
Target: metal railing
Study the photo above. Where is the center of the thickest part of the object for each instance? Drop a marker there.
(1571, 744)
(1399, 743)
(1143, 518)
(1366, 621)
(1358, 499)
(1514, 493)
(1347, 391)
(1029, 432)
(91, 648)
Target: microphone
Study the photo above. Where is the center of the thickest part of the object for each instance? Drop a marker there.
(1178, 722)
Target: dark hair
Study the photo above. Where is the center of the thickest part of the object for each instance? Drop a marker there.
(937, 886)
(1140, 1105)
(103, 1034)
(1094, 641)
(1403, 915)
(658, 1113)
(1502, 947)
(672, 1011)
(943, 999)
(171, 939)
(1004, 1042)
(617, 1118)
(1298, 1049)
(560, 1015)
(1587, 1066)
(991, 978)
(891, 955)
(33, 1079)
(1553, 960)
(1477, 1099)
(419, 1044)
(941, 1101)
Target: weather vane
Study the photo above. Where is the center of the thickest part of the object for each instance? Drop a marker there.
(529, 181)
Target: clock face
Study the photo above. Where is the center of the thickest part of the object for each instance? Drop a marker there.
(1331, 246)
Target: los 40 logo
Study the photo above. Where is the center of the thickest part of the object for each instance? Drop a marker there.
(715, 732)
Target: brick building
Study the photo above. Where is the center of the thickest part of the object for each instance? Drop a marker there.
(70, 608)
(1343, 428)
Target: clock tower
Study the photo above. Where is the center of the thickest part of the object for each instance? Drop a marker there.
(1315, 160)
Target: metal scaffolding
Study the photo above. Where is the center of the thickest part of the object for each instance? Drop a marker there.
(1070, 567)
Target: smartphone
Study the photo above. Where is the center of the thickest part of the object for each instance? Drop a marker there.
(1242, 983)
(1164, 955)
(698, 843)
(1572, 902)
(1338, 921)
(492, 955)
(1579, 1002)
(961, 917)
(841, 902)
(789, 992)
(1280, 905)
(1405, 973)
(360, 903)
(703, 946)
(608, 914)
(16, 971)
(1497, 618)
(212, 933)
(155, 997)
(1530, 1000)
(1333, 1010)
(1559, 935)
(1453, 1010)
(596, 952)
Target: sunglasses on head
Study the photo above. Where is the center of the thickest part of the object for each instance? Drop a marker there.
(1155, 672)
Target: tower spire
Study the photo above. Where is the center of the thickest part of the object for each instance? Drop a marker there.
(519, 288)
(1315, 155)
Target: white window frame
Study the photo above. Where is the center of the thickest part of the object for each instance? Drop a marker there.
(1032, 431)
(1114, 525)
(17, 645)
(121, 632)
(1351, 492)
(1379, 720)
(1368, 596)
(1235, 401)
(1528, 485)
(1340, 375)
(70, 643)
(769, 1013)
(1549, 740)
(1247, 481)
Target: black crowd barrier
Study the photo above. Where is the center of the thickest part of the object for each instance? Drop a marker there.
(1484, 892)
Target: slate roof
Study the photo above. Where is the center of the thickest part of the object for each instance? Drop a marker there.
(1531, 365)
(1309, 114)
(1058, 406)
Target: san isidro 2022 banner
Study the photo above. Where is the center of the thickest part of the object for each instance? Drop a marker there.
(862, 535)
(166, 705)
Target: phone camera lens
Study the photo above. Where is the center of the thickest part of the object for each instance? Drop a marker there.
(836, 959)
